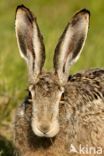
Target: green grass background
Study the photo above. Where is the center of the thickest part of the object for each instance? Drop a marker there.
(52, 16)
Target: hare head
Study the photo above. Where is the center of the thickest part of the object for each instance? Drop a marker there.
(47, 88)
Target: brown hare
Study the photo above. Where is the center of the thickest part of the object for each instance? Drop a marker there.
(62, 115)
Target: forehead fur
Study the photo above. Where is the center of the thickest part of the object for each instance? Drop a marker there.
(47, 83)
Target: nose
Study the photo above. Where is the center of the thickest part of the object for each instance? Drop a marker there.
(44, 128)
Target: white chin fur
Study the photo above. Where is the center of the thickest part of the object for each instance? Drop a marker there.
(54, 129)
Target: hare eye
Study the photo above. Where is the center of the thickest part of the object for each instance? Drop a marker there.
(30, 96)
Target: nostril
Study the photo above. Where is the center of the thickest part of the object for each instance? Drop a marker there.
(44, 128)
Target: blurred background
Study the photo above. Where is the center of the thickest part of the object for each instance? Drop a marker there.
(52, 17)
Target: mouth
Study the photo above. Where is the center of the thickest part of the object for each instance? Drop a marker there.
(49, 133)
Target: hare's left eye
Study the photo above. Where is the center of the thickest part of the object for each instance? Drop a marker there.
(30, 94)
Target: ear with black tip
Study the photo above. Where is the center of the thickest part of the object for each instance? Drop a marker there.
(70, 44)
(30, 41)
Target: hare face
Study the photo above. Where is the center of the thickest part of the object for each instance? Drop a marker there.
(46, 95)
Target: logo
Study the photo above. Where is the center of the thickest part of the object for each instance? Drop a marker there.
(85, 149)
(73, 149)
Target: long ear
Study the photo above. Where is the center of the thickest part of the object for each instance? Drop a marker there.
(70, 44)
(30, 41)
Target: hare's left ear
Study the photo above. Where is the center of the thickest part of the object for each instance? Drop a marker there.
(70, 44)
(30, 41)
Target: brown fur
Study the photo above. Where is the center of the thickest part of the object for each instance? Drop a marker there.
(81, 121)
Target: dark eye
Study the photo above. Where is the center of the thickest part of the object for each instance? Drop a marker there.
(29, 93)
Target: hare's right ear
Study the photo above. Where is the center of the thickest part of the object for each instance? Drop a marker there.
(70, 44)
(30, 41)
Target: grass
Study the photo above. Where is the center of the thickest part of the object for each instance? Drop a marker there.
(53, 16)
